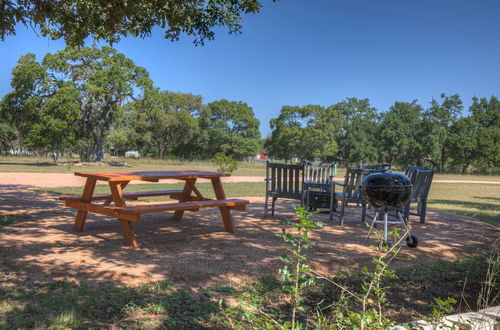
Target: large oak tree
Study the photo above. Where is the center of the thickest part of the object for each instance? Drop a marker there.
(84, 87)
(74, 21)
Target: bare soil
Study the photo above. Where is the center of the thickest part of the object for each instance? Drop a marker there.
(196, 251)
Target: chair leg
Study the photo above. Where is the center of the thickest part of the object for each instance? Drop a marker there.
(266, 206)
(341, 218)
(423, 210)
(333, 206)
(363, 213)
(272, 211)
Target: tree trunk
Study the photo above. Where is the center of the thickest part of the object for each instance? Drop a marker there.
(162, 150)
(464, 168)
(98, 153)
(443, 158)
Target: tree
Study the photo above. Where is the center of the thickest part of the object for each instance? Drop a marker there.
(44, 112)
(8, 137)
(164, 119)
(96, 81)
(463, 143)
(401, 134)
(232, 128)
(357, 141)
(306, 133)
(442, 116)
(109, 21)
(486, 114)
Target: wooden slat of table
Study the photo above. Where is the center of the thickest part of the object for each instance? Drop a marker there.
(150, 175)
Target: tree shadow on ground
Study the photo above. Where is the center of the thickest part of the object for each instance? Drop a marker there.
(196, 252)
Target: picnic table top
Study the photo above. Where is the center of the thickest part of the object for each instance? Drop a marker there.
(150, 175)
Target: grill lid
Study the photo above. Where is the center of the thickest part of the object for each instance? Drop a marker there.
(387, 189)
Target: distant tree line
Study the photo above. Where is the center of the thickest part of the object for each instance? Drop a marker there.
(86, 100)
(352, 132)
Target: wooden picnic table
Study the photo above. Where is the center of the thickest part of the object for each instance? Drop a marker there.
(127, 214)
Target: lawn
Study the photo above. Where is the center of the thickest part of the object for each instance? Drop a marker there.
(480, 201)
(257, 168)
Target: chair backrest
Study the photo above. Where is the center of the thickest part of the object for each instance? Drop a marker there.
(377, 167)
(319, 172)
(421, 180)
(285, 178)
(353, 182)
(411, 169)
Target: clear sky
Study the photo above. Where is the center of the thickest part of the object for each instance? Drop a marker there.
(298, 52)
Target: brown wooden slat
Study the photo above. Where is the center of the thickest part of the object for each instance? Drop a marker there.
(104, 210)
(127, 195)
(237, 204)
(150, 175)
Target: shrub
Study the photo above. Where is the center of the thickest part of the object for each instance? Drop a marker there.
(225, 163)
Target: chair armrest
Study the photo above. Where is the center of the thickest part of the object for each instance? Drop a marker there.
(267, 179)
(338, 183)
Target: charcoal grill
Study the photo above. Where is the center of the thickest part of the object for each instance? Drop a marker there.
(386, 192)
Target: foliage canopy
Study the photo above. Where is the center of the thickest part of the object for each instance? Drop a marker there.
(74, 21)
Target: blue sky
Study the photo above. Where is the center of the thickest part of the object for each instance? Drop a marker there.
(298, 52)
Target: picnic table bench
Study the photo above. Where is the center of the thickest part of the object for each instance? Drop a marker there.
(126, 214)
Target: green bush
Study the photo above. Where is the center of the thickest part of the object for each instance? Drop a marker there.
(225, 163)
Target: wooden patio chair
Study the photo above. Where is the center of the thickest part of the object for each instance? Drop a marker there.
(317, 186)
(352, 192)
(421, 178)
(285, 181)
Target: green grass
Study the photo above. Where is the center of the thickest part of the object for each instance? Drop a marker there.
(67, 305)
(6, 220)
(233, 189)
(28, 304)
(480, 201)
(45, 165)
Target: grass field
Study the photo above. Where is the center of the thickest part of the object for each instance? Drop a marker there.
(45, 165)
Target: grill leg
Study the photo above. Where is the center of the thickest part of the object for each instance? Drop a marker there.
(386, 218)
(410, 238)
(372, 226)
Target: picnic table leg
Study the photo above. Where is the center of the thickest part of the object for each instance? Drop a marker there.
(185, 196)
(81, 216)
(108, 201)
(117, 193)
(224, 211)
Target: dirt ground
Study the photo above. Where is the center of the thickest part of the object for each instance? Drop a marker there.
(196, 251)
